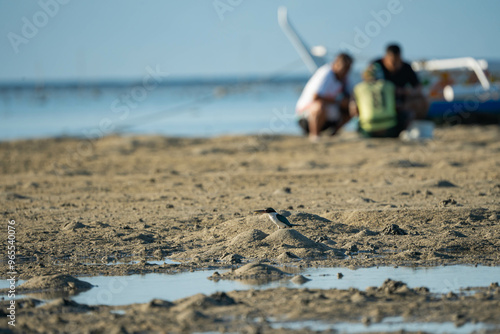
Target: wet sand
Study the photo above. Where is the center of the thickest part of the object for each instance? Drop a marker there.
(80, 204)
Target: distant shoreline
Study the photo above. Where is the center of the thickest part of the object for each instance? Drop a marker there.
(144, 135)
(192, 81)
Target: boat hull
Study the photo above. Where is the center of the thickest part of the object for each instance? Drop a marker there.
(465, 112)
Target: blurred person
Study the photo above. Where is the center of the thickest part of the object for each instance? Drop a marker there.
(409, 95)
(324, 102)
(375, 104)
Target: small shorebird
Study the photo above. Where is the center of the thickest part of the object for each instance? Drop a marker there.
(276, 218)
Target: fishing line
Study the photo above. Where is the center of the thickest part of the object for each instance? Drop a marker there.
(186, 106)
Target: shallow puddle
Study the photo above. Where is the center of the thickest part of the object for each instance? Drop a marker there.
(442, 279)
(123, 290)
(390, 324)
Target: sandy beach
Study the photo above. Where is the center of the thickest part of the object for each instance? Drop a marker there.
(79, 204)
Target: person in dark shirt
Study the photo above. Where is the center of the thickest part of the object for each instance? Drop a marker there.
(409, 95)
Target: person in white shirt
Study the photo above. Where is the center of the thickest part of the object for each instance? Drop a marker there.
(324, 101)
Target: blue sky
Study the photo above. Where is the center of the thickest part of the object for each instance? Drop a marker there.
(93, 40)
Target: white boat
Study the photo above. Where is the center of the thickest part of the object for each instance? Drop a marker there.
(460, 90)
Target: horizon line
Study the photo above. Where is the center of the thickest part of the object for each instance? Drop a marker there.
(167, 81)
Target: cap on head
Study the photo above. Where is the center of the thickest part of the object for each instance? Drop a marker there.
(269, 210)
(373, 72)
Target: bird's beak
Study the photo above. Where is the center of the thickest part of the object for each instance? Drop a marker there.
(260, 211)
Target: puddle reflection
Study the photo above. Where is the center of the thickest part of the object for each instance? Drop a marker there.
(124, 290)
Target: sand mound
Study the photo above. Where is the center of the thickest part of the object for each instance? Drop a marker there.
(66, 303)
(309, 217)
(397, 287)
(257, 269)
(190, 316)
(357, 217)
(248, 237)
(409, 255)
(292, 238)
(287, 257)
(144, 238)
(159, 303)
(393, 229)
(73, 226)
(253, 273)
(390, 286)
(54, 282)
(365, 233)
(299, 279)
(232, 258)
(202, 301)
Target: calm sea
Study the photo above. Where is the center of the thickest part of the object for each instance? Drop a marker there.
(183, 108)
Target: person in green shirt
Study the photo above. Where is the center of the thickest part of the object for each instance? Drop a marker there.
(375, 104)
